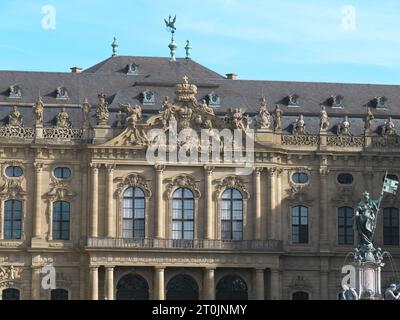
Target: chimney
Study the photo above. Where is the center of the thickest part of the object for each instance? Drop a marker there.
(231, 76)
(76, 70)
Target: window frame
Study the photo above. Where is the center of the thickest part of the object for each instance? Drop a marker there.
(346, 227)
(231, 200)
(292, 225)
(300, 173)
(342, 174)
(63, 167)
(60, 222)
(393, 210)
(13, 168)
(133, 198)
(182, 221)
(12, 220)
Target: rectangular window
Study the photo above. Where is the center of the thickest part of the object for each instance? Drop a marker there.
(299, 225)
(345, 226)
(391, 226)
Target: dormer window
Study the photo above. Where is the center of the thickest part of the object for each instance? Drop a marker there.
(148, 98)
(15, 92)
(213, 99)
(133, 69)
(293, 100)
(380, 102)
(336, 101)
(62, 93)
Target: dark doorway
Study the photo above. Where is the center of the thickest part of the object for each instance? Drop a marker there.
(132, 287)
(232, 288)
(182, 287)
(10, 294)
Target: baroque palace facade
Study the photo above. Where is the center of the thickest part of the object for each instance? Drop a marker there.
(78, 193)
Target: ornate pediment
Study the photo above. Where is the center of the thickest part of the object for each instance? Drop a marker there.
(132, 180)
(182, 181)
(300, 283)
(59, 190)
(12, 189)
(232, 182)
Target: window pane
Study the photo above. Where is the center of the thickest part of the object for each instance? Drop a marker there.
(128, 213)
(237, 226)
(226, 194)
(128, 193)
(139, 213)
(188, 193)
(188, 204)
(139, 193)
(188, 235)
(237, 236)
(237, 205)
(177, 204)
(176, 214)
(176, 234)
(236, 194)
(178, 193)
(188, 215)
(177, 225)
(139, 203)
(188, 225)
(128, 224)
(237, 215)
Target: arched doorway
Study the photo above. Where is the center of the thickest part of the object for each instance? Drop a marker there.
(232, 287)
(182, 287)
(300, 295)
(132, 287)
(10, 294)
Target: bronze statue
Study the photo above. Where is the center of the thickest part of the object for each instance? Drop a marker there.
(365, 223)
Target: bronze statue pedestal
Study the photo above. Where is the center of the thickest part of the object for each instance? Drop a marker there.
(368, 279)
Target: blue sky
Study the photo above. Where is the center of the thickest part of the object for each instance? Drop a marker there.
(258, 39)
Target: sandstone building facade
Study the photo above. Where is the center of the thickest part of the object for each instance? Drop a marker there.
(79, 194)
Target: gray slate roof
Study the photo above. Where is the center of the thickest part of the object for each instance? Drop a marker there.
(160, 76)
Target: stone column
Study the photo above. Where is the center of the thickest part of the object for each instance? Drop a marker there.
(259, 284)
(278, 205)
(159, 286)
(275, 284)
(324, 285)
(35, 284)
(209, 204)
(209, 284)
(271, 227)
(109, 283)
(110, 229)
(37, 232)
(323, 207)
(160, 202)
(94, 214)
(257, 204)
(94, 283)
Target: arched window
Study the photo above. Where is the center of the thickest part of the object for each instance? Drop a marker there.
(391, 226)
(183, 214)
(232, 215)
(132, 287)
(12, 219)
(133, 213)
(59, 294)
(10, 294)
(345, 225)
(61, 220)
(300, 224)
(300, 295)
(182, 287)
(231, 287)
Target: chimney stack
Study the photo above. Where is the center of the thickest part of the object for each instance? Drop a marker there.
(76, 70)
(231, 76)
